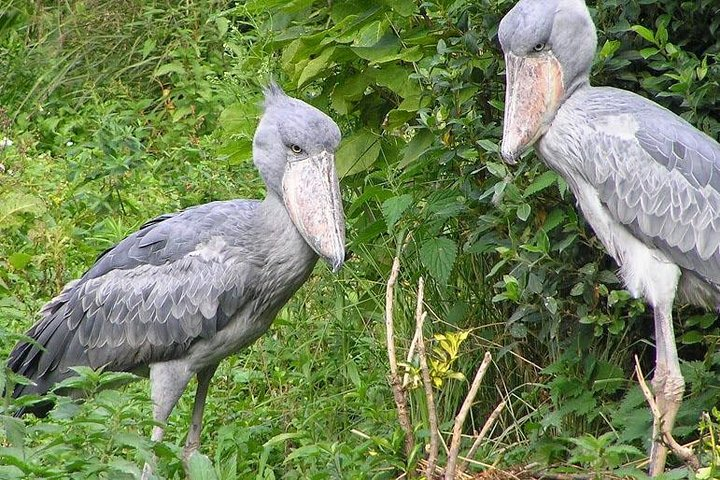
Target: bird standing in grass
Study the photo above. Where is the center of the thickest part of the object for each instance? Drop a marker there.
(647, 181)
(190, 288)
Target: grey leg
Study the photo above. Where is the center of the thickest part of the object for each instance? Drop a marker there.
(193, 439)
(668, 385)
(167, 384)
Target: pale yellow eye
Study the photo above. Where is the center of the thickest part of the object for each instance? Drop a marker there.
(539, 47)
(296, 149)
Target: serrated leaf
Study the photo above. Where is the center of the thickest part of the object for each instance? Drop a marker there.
(15, 204)
(394, 207)
(14, 430)
(438, 256)
(125, 466)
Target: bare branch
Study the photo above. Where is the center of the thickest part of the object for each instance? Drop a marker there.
(395, 383)
(460, 418)
(420, 316)
(483, 431)
(410, 355)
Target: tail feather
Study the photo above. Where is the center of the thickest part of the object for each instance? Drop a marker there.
(44, 358)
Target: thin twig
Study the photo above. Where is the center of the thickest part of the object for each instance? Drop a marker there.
(683, 453)
(396, 385)
(420, 316)
(460, 418)
(483, 431)
(410, 355)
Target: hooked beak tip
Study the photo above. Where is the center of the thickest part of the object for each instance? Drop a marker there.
(510, 156)
(336, 262)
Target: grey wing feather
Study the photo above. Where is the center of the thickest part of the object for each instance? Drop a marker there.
(662, 180)
(144, 300)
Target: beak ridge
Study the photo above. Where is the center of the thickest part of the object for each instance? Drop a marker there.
(533, 94)
(311, 192)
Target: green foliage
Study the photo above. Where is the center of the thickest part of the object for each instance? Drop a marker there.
(119, 111)
(709, 426)
(599, 453)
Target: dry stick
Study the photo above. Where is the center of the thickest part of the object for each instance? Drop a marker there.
(432, 413)
(460, 418)
(410, 355)
(397, 388)
(685, 454)
(483, 431)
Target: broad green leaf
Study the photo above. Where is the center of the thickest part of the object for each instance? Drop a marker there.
(403, 7)
(438, 256)
(644, 32)
(349, 90)
(394, 207)
(609, 48)
(692, 337)
(417, 147)
(397, 78)
(282, 438)
(241, 117)
(540, 182)
(488, 145)
(648, 52)
(371, 34)
(173, 67)
(14, 429)
(523, 212)
(302, 452)
(19, 260)
(148, 46)
(17, 203)
(201, 468)
(496, 169)
(383, 51)
(357, 153)
(222, 25)
(316, 66)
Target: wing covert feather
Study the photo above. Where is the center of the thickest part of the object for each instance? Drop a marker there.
(660, 178)
(177, 279)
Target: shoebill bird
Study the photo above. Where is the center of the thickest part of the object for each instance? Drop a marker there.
(646, 180)
(190, 288)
